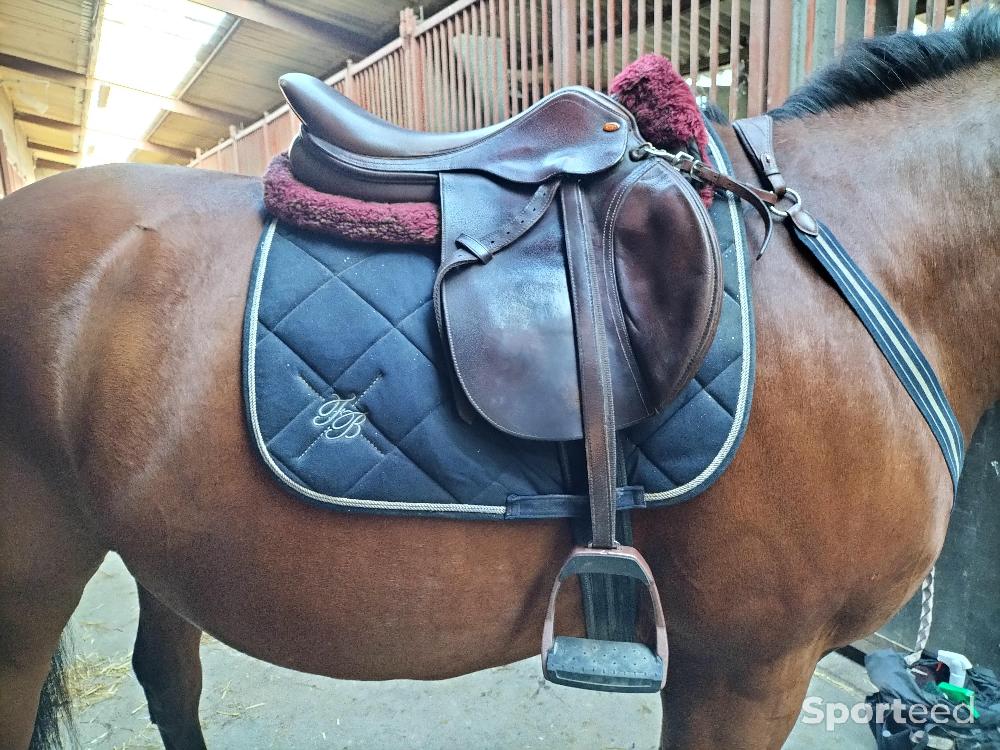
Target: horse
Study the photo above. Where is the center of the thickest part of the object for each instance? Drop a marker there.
(121, 302)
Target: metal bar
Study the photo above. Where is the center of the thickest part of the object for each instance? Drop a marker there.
(467, 70)
(533, 23)
(626, 31)
(570, 61)
(693, 38)
(547, 48)
(657, 27)
(940, 9)
(735, 16)
(559, 41)
(506, 60)
(779, 51)
(475, 63)
(494, 65)
(515, 75)
(870, 18)
(675, 33)
(713, 52)
(640, 28)
(597, 45)
(840, 25)
(809, 52)
(525, 62)
(902, 15)
(957, 9)
(757, 57)
(454, 85)
(584, 50)
(611, 40)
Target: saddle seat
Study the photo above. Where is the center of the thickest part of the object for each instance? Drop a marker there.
(578, 291)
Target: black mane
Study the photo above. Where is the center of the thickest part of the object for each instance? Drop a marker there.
(876, 68)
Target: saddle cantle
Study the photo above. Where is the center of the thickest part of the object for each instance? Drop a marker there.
(578, 291)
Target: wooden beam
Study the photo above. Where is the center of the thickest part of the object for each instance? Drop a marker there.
(282, 19)
(46, 122)
(36, 146)
(56, 165)
(51, 72)
(157, 148)
(79, 80)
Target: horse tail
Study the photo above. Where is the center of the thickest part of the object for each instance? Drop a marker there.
(55, 706)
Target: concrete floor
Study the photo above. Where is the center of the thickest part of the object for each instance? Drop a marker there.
(248, 704)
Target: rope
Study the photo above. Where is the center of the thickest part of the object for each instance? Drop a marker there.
(926, 618)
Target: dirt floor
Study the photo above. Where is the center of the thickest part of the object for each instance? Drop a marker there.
(250, 705)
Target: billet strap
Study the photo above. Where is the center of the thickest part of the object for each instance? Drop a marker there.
(596, 395)
(890, 335)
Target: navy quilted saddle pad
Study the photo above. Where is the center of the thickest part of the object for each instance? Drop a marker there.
(349, 401)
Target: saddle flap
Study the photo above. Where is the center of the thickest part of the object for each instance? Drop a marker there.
(509, 322)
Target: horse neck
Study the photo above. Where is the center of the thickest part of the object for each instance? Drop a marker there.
(911, 187)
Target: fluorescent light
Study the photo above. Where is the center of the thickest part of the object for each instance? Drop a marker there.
(146, 45)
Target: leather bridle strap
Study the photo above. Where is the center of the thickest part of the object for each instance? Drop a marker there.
(762, 201)
(891, 336)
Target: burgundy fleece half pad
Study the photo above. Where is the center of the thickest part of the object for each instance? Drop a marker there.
(650, 88)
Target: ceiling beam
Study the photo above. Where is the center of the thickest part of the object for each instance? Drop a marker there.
(282, 19)
(56, 165)
(46, 122)
(79, 80)
(157, 148)
(42, 70)
(68, 152)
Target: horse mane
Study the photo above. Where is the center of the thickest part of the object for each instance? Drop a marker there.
(879, 67)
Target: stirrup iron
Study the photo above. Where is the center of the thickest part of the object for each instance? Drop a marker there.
(592, 664)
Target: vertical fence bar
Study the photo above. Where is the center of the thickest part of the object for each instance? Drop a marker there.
(779, 52)
(902, 15)
(525, 75)
(349, 80)
(626, 30)
(809, 52)
(757, 58)
(560, 36)
(657, 27)
(940, 9)
(584, 50)
(436, 105)
(694, 32)
(506, 61)
(675, 33)
(422, 59)
(547, 47)
(870, 18)
(516, 73)
(610, 23)
(735, 24)
(713, 52)
(840, 25)
(474, 56)
(490, 34)
(957, 9)
(640, 28)
(454, 83)
(533, 27)
(597, 45)
(466, 65)
(568, 18)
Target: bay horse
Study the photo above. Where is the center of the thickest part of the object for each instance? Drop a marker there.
(121, 301)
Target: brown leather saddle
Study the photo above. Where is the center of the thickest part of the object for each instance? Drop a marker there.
(579, 289)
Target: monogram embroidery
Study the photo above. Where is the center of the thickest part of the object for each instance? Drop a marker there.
(339, 419)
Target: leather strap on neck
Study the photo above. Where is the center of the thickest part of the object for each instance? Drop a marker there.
(756, 135)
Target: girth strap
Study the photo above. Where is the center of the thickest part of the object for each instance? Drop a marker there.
(596, 396)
